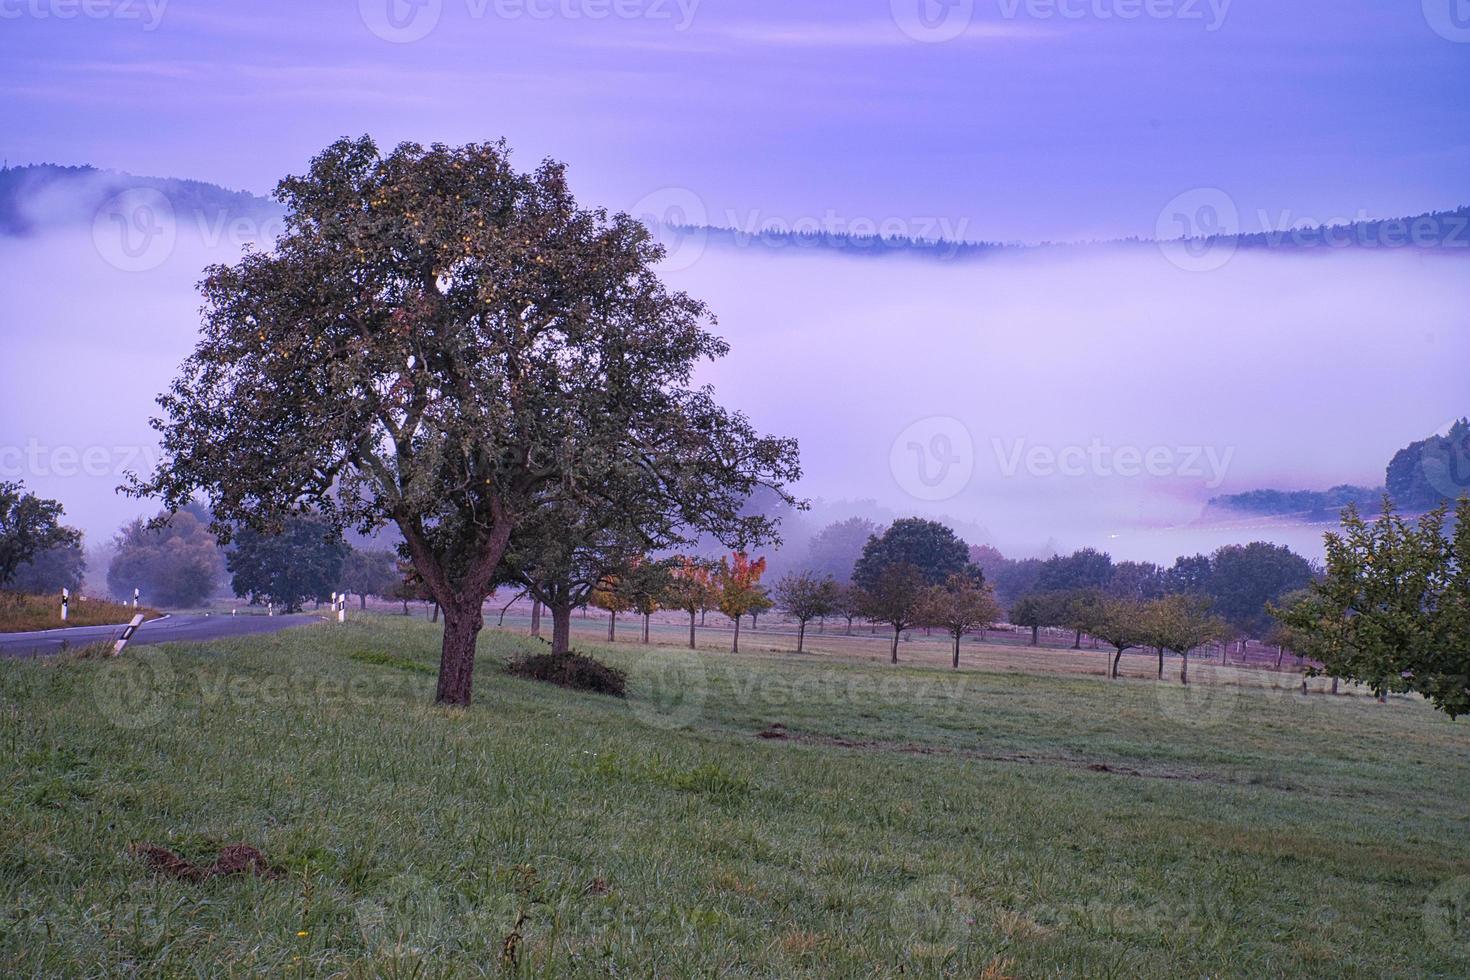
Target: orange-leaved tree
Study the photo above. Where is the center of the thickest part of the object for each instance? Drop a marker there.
(739, 581)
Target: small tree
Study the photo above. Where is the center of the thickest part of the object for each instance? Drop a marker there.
(1079, 610)
(302, 562)
(1179, 624)
(1393, 611)
(691, 589)
(644, 587)
(847, 603)
(804, 597)
(609, 596)
(738, 581)
(366, 573)
(1037, 611)
(29, 526)
(958, 607)
(895, 597)
(1122, 625)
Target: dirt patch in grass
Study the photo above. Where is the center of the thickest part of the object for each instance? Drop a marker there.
(571, 670)
(234, 859)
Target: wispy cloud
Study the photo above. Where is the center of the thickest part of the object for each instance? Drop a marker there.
(860, 34)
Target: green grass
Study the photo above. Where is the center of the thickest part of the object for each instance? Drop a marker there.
(912, 822)
(21, 613)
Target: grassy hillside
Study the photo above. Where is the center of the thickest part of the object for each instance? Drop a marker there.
(25, 613)
(891, 821)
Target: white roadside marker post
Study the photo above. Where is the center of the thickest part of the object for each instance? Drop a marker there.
(342, 608)
(270, 608)
(135, 598)
(65, 598)
(127, 634)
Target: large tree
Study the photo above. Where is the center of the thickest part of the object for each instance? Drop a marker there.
(1084, 569)
(804, 597)
(173, 560)
(836, 548)
(61, 567)
(444, 343)
(1393, 611)
(1244, 579)
(928, 547)
(302, 561)
(29, 526)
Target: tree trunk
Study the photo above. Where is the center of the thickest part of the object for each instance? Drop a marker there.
(1036, 636)
(1280, 654)
(1077, 644)
(561, 629)
(362, 598)
(462, 625)
(735, 642)
(434, 614)
(612, 627)
(754, 622)
(1161, 663)
(691, 631)
(646, 618)
(405, 607)
(956, 651)
(896, 631)
(800, 634)
(822, 625)
(703, 613)
(1184, 667)
(1334, 685)
(849, 626)
(1117, 657)
(536, 617)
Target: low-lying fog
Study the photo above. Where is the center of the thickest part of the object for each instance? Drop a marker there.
(1037, 400)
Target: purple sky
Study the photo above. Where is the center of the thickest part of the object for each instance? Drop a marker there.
(1009, 119)
(1042, 119)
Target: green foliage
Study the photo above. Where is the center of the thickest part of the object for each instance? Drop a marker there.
(1430, 472)
(1393, 611)
(805, 597)
(29, 526)
(366, 573)
(63, 566)
(834, 551)
(1244, 579)
(928, 547)
(445, 343)
(303, 561)
(172, 561)
(1084, 569)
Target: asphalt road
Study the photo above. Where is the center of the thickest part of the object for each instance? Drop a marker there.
(172, 629)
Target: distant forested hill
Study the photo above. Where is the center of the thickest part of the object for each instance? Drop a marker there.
(1446, 232)
(1419, 477)
(45, 196)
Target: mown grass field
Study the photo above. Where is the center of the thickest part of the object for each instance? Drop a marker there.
(910, 821)
(24, 613)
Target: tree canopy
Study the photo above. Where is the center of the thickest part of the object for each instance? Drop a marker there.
(173, 561)
(29, 526)
(928, 547)
(444, 343)
(302, 561)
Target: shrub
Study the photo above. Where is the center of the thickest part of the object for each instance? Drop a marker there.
(571, 670)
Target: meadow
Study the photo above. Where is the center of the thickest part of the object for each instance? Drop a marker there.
(21, 613)
(764, 815)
